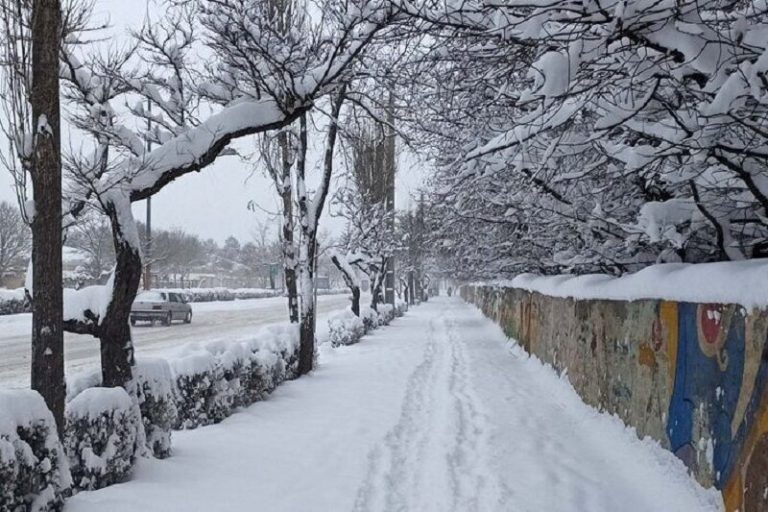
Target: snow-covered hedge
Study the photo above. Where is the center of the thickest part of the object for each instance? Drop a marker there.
(370, 318)
(345, 328)
(228, 294)
(212, 380)
(13, 302)
(400, 308)
(197, 382)
(156, 396)
(386, 313)
(103, 435)
(34, 471)
(153, 390)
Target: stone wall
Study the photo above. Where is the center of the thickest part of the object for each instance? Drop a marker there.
(692, 376)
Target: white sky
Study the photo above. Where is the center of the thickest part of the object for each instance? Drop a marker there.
(213, 203)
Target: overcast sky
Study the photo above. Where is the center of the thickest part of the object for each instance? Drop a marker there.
(214, 202)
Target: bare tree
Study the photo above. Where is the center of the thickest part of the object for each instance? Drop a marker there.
(92, 234)
(15, 238)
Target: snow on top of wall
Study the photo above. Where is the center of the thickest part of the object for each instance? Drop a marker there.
(743, 282)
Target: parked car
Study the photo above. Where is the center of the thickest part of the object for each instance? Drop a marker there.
(151, 306)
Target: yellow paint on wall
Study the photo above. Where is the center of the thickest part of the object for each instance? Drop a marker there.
(754, 339)
(733, 492)
(671, 332)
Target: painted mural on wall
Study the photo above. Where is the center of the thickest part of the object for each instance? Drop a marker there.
(693, 376)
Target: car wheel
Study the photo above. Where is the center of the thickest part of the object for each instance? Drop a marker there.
(188, 318)
(168, 319)
(133, 322)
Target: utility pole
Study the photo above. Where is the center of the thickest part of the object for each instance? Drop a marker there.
(389, 279)
(148, 254)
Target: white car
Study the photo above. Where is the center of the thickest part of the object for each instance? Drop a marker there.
(151, 306)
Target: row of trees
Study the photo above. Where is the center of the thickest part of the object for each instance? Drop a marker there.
(602, 136)
(176, 254)
(257, 77)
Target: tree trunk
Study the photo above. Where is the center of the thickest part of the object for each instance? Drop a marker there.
(47, 308)
(350, 282)
(115, 330)
(307, 331)
(288, 250)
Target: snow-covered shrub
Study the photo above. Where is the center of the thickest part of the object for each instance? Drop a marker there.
(256, 378)
(370, 318)
(34, 471)
(13, 302)
(102, 437)
(400, 308)
(230, 362)
(386, 313)
(285, 344)
(345, 328)
(198, 390)
(154, 390)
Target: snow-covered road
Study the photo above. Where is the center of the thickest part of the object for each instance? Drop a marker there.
(433, 413)
(212, 320)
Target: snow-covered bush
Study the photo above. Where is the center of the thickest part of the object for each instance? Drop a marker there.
(401, 307)
(13, 302)
(231, 359)
(34, 471)
(284, 342)
(153, 390)
(256, 376)
(155, 393)
(102, 437)
(386, 313)
(345, 328)
(370, 318)
(195, 377)
(229, 294)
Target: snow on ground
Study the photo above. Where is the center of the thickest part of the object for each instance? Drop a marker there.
(730, 282)
(211, 321)
(436, 412)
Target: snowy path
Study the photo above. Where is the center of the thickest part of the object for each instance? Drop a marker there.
(433, 413)
(211, 320)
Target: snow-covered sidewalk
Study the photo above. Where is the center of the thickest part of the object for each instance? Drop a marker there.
(436, 412)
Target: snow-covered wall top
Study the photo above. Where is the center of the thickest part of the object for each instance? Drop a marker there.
(743, 282)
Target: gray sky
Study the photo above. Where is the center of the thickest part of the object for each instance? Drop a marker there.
(213, 203)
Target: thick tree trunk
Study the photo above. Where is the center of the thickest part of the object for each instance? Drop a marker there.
(115, 329)
(47, 308)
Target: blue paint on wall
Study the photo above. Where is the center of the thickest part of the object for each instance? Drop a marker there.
(700, 382)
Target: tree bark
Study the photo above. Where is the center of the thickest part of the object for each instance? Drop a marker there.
(351, 284)
(289, 252)
(115, 339)
(47, 306)
(310, 216)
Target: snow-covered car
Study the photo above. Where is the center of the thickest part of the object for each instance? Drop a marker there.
(151, 306)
